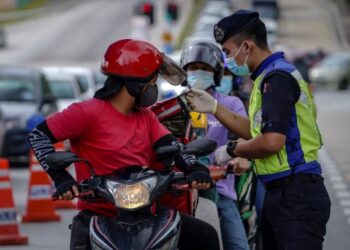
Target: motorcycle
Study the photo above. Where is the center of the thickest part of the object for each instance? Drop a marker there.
(141, 221)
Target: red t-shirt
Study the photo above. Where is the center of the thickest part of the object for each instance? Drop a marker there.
(107, 138)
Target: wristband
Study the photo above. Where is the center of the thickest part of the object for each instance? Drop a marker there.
(231, 147)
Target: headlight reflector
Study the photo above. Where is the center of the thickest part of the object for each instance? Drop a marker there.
(132, 196)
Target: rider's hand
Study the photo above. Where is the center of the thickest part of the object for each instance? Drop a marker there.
(221, 156)
(199, 177)
(66, 186)
(240, 165)
(201, 101)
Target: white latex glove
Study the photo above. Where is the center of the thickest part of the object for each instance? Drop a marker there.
(221, 156)
(201, 101)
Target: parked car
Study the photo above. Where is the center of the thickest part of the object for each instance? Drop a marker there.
(23, 92)
(267, 8)
(65, 89)
(99, 79)
(2, 38)
(272, 31)
(2, 129)
(84, 76)
(334, 69)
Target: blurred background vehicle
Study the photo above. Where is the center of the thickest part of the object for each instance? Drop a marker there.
(2, 129)
(272, 31)
(23, 92)
(2, 37)
(267, 8)
(99, 79)
(64, 88)
(85, 78)
(334, 70)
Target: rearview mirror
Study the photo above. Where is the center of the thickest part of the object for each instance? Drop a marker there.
(200, 147)
(61, 160)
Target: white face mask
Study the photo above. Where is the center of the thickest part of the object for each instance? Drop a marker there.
(200, 79)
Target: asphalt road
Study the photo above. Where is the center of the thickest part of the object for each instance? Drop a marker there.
(77, 35)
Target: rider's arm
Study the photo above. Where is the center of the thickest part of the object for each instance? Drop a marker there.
(280, 93)
(42, 142)
(67, 124)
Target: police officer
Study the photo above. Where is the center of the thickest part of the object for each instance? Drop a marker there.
(281, 135)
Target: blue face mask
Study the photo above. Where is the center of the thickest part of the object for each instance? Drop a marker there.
(200, 79)
(225, 85)
(238, 70)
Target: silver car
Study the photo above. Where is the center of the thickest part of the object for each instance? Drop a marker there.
(334, 70)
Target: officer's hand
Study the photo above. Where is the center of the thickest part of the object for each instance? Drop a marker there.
(240, 165)
(221, 156)
(201, 101)
(199, 177)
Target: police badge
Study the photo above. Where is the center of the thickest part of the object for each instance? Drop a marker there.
(218, 33)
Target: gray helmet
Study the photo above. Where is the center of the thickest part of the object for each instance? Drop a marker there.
(204, 52)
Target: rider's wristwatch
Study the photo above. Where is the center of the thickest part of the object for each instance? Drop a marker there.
(231, 147)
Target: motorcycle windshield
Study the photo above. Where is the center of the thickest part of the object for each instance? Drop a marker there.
(171, 72)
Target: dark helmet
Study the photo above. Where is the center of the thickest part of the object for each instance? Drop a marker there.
(204, 52)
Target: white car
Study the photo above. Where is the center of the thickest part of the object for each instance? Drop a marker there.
(334, 70)
(272, 31)
(85, 77)
(64, 88)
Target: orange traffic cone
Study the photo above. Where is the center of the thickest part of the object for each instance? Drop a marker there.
(9, 231)
(40, 205)
(63, 204)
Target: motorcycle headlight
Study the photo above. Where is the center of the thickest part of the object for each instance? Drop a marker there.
(132, 196)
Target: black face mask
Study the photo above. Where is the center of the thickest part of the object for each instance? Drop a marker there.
(148, 97)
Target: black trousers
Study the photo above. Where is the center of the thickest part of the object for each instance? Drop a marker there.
(295, 215)
(195, 234)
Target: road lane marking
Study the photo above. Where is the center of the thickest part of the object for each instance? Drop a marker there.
(337, 182)
(345, 203)
(347, 211)
(339, 186)
(343, 194)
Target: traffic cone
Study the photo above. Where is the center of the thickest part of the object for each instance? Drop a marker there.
(63, 204)
(40, 205)
(9, 231)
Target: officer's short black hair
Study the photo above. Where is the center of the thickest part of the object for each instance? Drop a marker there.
(242, 25)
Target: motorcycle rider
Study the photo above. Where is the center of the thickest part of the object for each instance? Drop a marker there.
(204, 64)
(116, 129)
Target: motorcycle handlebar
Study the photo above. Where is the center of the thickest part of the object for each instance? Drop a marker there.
(55, 196)
(180, 181)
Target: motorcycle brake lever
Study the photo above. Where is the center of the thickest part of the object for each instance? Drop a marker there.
(179, 186)
(82, 195)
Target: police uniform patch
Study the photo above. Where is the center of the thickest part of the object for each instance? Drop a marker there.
(219, 33)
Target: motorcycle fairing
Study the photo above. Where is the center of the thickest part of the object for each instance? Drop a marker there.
(111, 234)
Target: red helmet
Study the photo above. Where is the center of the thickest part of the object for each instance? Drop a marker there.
(132, 59)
